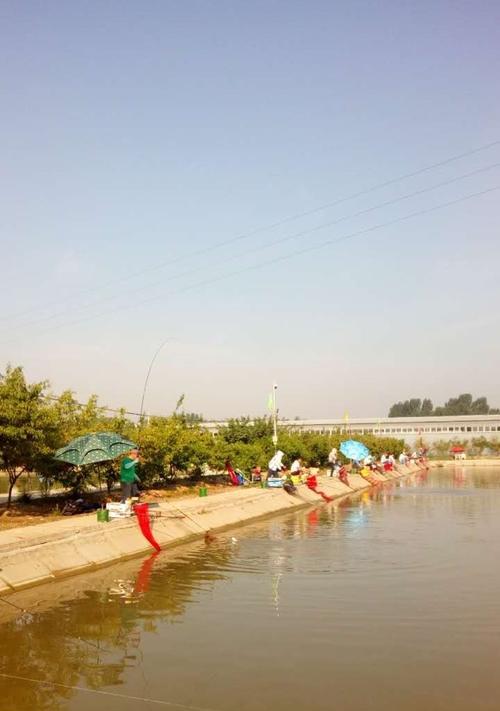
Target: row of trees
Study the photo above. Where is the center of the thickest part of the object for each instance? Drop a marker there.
(476, 447)
(462, 405)
(33, 424)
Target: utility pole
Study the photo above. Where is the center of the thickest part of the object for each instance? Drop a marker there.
(275, 417)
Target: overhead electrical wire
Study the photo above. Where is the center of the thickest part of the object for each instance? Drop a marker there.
(275, 260)
(271, 226)
(268, 245)
(101, 692)
(81, 405)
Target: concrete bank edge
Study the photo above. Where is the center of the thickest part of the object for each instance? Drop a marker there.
(30, 557)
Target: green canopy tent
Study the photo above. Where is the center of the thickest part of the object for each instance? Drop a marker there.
(94, 448)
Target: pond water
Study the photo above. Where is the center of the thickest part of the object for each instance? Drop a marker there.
(387, 602)
(26, 483)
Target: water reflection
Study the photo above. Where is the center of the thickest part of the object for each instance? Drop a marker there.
(401, 577)
(92, 639)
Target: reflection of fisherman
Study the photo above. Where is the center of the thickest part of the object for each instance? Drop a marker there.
(128, 475)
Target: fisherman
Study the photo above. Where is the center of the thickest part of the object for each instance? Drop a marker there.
(128, 475)
(256, 473)
(289, 485)
(276, 464)
(343, 475)
(332, 460)
(366, 473)
(296, 471)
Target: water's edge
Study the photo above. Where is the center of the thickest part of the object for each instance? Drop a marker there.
(39, 554)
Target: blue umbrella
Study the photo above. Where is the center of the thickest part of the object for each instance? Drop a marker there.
(354, 450)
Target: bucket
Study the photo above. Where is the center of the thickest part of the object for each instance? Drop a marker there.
(102, 515)
(274, 482)
(203, 491)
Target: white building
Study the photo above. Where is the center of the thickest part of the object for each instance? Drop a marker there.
(411, 429)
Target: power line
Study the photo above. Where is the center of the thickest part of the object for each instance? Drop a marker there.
(100, 692)
(278, 259)
(273, 225)
(81, 405)
(281, 240)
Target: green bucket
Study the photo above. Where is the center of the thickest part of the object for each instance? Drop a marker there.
(102, 515)
(203, 491)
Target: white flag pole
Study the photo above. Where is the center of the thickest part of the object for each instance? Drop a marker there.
(275, 418)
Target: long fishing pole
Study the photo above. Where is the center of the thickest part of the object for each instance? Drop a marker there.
(157, 352)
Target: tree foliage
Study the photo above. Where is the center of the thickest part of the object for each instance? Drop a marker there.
(28, 427)
(476, 447)
(170, 445)
(462, 405)
(34, 423)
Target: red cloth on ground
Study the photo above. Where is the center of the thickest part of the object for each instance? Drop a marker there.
(232, 475)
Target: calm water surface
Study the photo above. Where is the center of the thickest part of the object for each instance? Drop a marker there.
(387, 602)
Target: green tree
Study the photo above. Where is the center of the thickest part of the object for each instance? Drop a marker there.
(246, 430)
(461, 405)
(464, 404)
(76, 419)
(407, 408)
(28, 427)
(480, 406)
(427, 407)
(169, 446)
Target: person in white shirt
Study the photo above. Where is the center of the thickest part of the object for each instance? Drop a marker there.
(276, 464)
(296, 466)
(296, 471)
(332, 460)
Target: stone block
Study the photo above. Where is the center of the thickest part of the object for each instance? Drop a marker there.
(308, 496)
(166, 530)
(97, 548)
(4, 588)
(61, 558)
(357, 482)
(127, 540)
(21, 570)
(333, 487)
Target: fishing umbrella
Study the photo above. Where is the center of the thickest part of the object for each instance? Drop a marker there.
(352, 449)
(93, 448)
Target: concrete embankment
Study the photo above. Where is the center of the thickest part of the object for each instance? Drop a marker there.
(465, 462)
(38, 554)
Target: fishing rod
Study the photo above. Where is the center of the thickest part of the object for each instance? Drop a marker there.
(156, 353)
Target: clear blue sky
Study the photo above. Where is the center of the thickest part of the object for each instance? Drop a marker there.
(135, 134)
